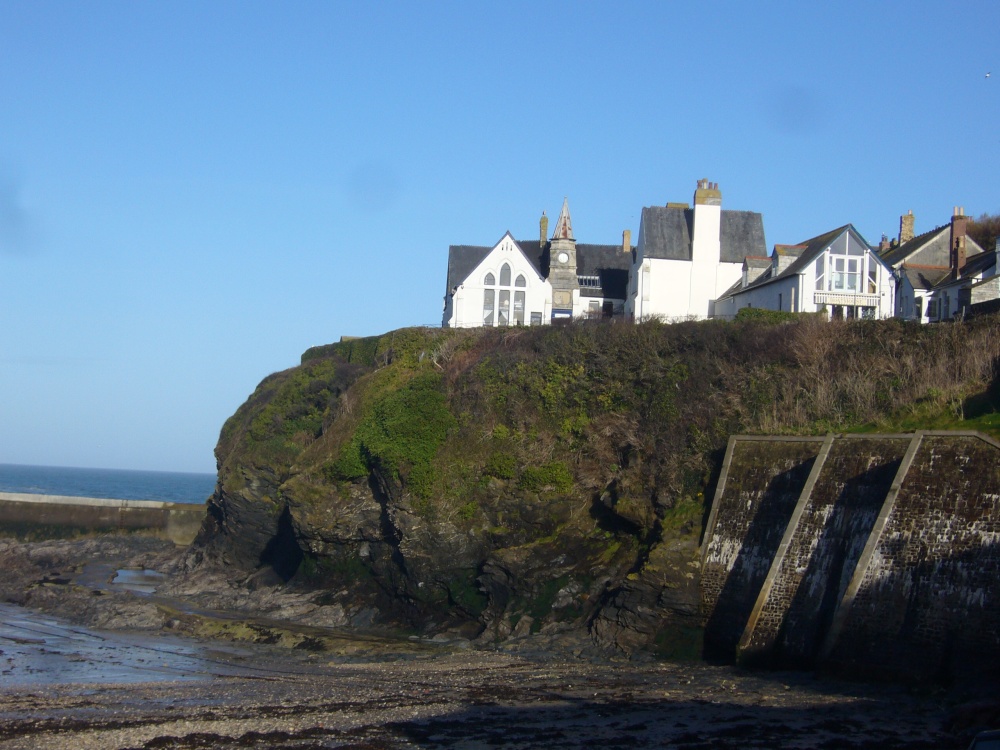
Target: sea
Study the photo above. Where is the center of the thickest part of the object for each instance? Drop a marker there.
(114, 484)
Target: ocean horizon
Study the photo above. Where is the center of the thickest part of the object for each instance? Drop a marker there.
(113, 484)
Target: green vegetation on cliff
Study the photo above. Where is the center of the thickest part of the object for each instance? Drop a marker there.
(527, 479)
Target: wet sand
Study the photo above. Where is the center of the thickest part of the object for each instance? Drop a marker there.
(255, 696)
(66, 685)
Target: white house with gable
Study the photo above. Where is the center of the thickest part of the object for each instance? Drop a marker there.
(501, 287)
(687, 257)
(836, 272)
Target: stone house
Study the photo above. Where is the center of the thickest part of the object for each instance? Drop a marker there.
(687, 257)
(836, 273)
(535, 282)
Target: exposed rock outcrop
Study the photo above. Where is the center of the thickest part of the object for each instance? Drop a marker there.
(549, 481)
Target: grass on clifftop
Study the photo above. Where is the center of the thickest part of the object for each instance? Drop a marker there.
(459, 416)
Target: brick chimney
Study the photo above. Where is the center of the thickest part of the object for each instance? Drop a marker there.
(627, 241)
(543, 230)
(884, 245)
(906, 227)
(958, 224)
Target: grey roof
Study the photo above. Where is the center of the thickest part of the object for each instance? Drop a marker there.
(667, 230)
(974, 265)
(925, 278)
(931, 248)
(757, 261)
(609, 262)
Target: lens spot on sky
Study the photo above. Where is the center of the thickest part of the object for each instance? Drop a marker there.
(16, 235)
(795, 110)
(373, 186)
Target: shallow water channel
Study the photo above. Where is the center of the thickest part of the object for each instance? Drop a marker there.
(42, 649)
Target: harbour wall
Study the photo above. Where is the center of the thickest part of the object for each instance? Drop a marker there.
(23, 514)
(875, 555)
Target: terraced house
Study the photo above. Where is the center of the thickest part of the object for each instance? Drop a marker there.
(941, 272)
(702, 261)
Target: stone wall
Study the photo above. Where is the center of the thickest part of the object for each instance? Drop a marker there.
(834, 518)
(760, 483)
(888, 561)
(54, 516)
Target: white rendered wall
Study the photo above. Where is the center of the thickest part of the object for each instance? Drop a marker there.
(467, 302)
(663, 289)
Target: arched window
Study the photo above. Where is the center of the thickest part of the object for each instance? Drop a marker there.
(490, 280)
(519, 281)
(504, 275)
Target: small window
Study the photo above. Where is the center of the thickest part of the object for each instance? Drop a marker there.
(490, 280)
(504, 275)
(820, 273)
(918, 304)
(519, 281)
(536, 319)
(594, 308)
(872, 276)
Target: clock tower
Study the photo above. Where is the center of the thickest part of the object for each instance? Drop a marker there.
(562, 265)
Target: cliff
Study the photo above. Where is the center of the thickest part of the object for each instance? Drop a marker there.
(551, 480)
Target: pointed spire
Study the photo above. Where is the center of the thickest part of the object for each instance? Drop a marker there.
(564, 227)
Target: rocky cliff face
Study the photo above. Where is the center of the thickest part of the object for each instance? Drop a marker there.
(493, 484)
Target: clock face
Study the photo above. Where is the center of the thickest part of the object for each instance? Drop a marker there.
(563, 257)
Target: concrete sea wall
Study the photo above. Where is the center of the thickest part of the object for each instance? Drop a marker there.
(59, 515)
(887, 559)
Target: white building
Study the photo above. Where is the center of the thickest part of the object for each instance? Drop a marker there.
(687, 257)
(836, 272)
(535, 282)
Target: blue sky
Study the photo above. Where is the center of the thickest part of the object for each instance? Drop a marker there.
(193, 193)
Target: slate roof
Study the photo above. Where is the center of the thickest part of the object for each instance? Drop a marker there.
(974, 265)
(667, 233)
(896, 255)
(925, 278)
(609, 262)
(931, 248)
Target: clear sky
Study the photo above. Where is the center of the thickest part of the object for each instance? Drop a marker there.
(193, 193)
